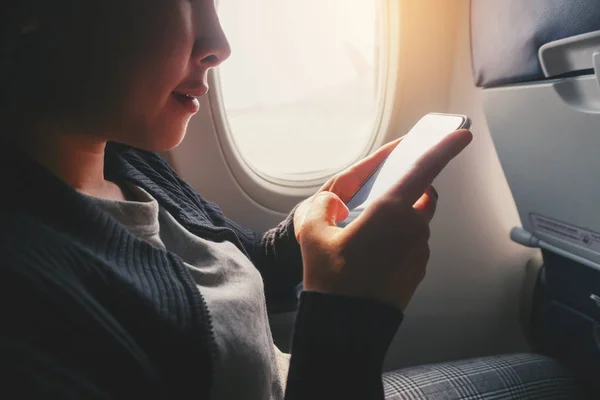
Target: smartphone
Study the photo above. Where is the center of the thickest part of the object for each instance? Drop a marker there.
(428, 132)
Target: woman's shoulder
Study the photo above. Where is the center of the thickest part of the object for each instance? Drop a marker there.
(24, 237)
(36, 259)
(20, 227)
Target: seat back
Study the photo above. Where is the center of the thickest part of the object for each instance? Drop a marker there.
(542, 103)
(507, 35)
(538, 62)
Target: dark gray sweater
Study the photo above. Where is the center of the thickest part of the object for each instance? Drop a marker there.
(89, 310)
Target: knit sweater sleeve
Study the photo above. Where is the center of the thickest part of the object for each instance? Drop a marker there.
(339, 345)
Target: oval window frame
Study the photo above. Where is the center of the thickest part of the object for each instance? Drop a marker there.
(279, 194)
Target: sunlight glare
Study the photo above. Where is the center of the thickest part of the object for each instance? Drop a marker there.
(302, 74)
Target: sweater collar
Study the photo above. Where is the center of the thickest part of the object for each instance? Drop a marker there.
(34, 190)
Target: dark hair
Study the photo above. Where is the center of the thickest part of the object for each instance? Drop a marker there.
(19, 45)
(12, 17)
(35, 60)
(77, 61)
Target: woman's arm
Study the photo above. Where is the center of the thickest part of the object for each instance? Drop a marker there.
(57, 343)
(339, 346)
(339, 342)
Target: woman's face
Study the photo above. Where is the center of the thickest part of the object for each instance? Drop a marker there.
(132, 71)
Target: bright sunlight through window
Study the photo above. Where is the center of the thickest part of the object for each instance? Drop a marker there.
(301, 88)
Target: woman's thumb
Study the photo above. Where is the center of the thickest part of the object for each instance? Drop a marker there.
(324, 211)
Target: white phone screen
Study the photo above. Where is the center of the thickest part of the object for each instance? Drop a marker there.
(428, 132)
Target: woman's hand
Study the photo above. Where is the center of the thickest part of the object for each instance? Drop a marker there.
(346, 183)
(383, 253)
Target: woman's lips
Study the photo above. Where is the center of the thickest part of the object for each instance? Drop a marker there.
(190, 103)
(188, 97)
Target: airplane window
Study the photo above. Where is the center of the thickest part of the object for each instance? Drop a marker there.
(301, 90)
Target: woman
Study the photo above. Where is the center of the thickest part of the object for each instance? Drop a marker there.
(119, 281)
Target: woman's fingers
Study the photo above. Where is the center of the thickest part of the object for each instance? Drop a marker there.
(412, 185)
(347, 182)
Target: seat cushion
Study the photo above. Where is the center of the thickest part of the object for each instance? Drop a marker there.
(506, 35)
(513, 376)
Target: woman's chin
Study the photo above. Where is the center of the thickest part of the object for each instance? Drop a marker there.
(159, 141)
(167, 142)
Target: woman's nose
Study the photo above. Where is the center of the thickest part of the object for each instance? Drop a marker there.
(211, 48)
(210, 55)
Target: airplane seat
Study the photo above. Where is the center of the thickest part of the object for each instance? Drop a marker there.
(501, 377)
(538, 64)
